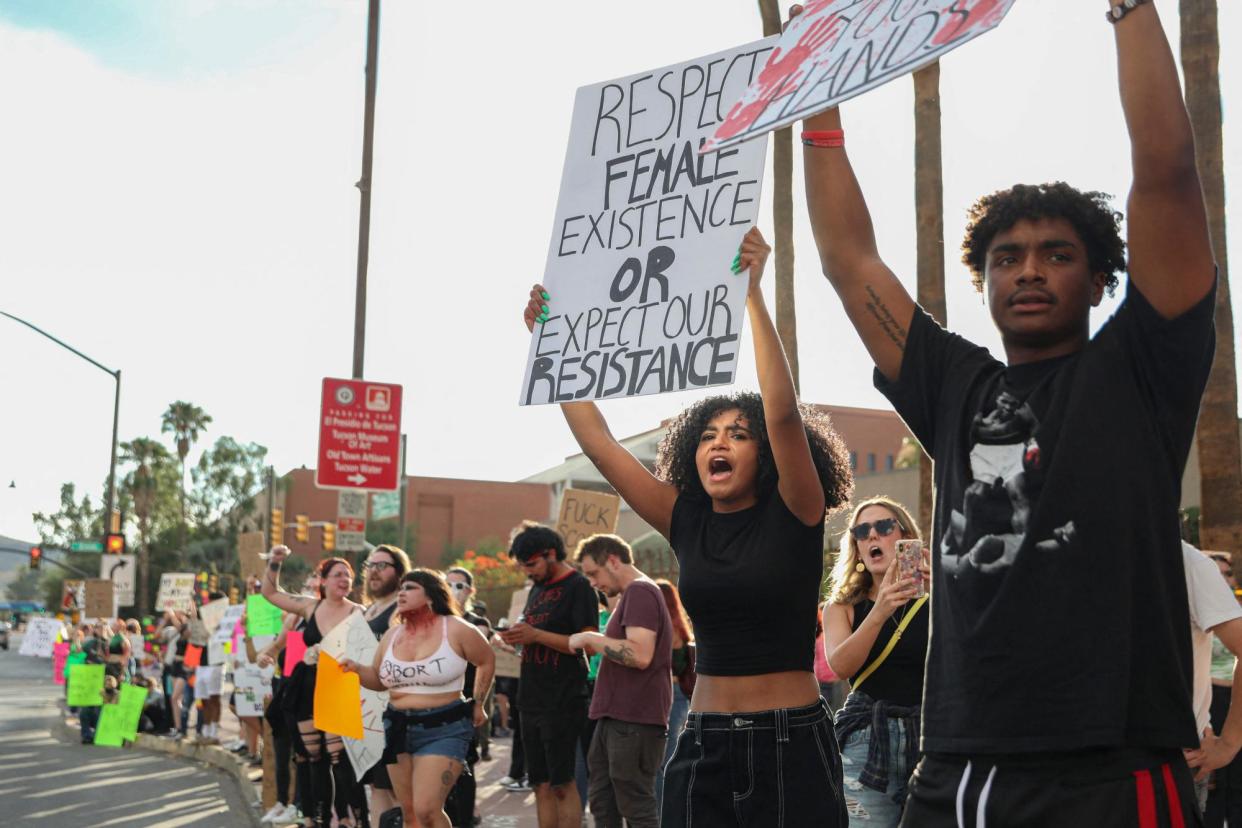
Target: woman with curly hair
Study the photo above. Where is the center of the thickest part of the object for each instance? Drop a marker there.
(429, 724)
(878, 729)
(741, 489)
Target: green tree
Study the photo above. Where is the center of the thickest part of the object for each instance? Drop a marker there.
(227, 479)
(74, 520)
(26, 586)
(185, 421)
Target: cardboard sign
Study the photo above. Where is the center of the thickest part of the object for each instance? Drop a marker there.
(250, 548)
(86, 683)
(338, 703)
(837, 49)
(100, 599)
(121, 571)
(585, 513)
(212, 613)
(643, 300)
(40, 637)
(508, 665)
(176, 592)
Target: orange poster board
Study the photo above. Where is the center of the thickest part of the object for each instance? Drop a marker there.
(338, 699)
(193, 656)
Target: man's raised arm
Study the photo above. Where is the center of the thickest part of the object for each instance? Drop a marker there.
(875, 300)
(1171, 259)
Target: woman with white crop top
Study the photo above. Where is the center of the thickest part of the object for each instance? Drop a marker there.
(429, 722)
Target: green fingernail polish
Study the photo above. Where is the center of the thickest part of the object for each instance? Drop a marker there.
(545, 295)
(545, 309)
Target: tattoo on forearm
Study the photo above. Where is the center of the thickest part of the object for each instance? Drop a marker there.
(888, 323)
(622, 655)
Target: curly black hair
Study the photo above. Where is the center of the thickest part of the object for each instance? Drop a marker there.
(1090, 213)
(530, 539)
(675, 457)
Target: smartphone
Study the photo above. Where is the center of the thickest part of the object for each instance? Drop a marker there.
(910, 563)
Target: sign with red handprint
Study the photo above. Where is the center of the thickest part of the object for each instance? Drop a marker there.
(838, 49)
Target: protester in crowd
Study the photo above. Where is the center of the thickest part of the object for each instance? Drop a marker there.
(515, 780)
(95, 646)
(552, 688)
(1057, 471)
(384, 568)
(632, 693)
(1224, 803)
(331, 780)
(429, 721)
(830, 684)
(682, 668)
(464, 793)
(744, 482)
(281, 715)
(1214, 616)
(175, 674)
(875, 634)
(208, 679)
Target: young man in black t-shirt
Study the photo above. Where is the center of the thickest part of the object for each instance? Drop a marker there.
(1058, 673)
(552, 690)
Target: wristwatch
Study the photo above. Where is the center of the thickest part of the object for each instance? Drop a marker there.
(1116, 13)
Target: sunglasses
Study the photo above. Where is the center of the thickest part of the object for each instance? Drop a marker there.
(883, 528)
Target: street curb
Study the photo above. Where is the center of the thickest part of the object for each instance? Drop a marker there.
(210, 755)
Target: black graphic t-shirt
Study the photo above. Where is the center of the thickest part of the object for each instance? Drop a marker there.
(552, 680)
(1059, 609)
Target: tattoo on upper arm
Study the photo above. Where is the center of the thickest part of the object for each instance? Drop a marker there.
(622, 655)
(888, 322)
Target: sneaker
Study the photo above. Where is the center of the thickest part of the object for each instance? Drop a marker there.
(290, 814)
(518, 787)
(273, 812)
(506, 780)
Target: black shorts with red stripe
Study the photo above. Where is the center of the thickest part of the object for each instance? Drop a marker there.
(1109, 788)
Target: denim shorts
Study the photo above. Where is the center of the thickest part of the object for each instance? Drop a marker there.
(772, 769)
(404, 734)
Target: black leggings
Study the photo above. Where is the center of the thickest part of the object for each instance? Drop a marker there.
(332, 786)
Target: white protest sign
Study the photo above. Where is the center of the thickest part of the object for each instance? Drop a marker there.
(212, 613)
(40, 636)
(120, 570)
(352, 638)
(837, 49)
(176, 592)
(228, 620)
(248, 702)
(643, 300)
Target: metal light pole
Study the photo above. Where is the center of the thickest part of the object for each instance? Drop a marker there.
(364, 187)
(116, 412)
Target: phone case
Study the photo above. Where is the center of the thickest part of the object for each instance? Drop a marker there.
(909, 560)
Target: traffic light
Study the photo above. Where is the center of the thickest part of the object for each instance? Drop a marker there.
(36, 557)
(278, 526)
(114, 543)
(329, 537)
(303, 531)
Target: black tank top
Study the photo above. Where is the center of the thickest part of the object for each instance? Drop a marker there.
(750, 583)
(899, 680)
(310, 633)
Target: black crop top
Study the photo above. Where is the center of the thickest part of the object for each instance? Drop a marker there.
(310, 633)
(899, 680)
(750, 583)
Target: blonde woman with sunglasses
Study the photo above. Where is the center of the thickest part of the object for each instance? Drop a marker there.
(869, 607)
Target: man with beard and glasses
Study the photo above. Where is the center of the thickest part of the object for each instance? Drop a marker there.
(384, 568)
(553, 686)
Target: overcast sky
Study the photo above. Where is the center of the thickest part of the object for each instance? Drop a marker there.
(177, 200)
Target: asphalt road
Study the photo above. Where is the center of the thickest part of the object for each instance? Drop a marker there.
(49, 780)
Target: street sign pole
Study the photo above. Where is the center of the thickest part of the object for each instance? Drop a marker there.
(401, 495)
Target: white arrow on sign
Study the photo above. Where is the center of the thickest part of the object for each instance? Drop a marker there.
(357, 477)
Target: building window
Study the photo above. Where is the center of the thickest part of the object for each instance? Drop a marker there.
(853, 461)
(888, 463)
(871, 461)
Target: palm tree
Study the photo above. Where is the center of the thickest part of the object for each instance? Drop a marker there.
(1220, 457)
(144, 453)
(782, 217)
(929, 230)
(185, 421)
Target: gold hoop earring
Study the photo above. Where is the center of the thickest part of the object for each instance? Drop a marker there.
(860, 567)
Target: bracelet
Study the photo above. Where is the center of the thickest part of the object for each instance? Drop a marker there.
(827, 139)
(1116, 13)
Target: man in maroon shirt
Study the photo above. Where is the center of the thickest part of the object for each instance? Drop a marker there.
(634, 690)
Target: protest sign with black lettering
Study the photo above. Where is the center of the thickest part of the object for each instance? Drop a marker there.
(585, 513)
(643, 300)
(176, 592)
(100, 599)
(40, 637)
(353, 638)
(838, 49)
